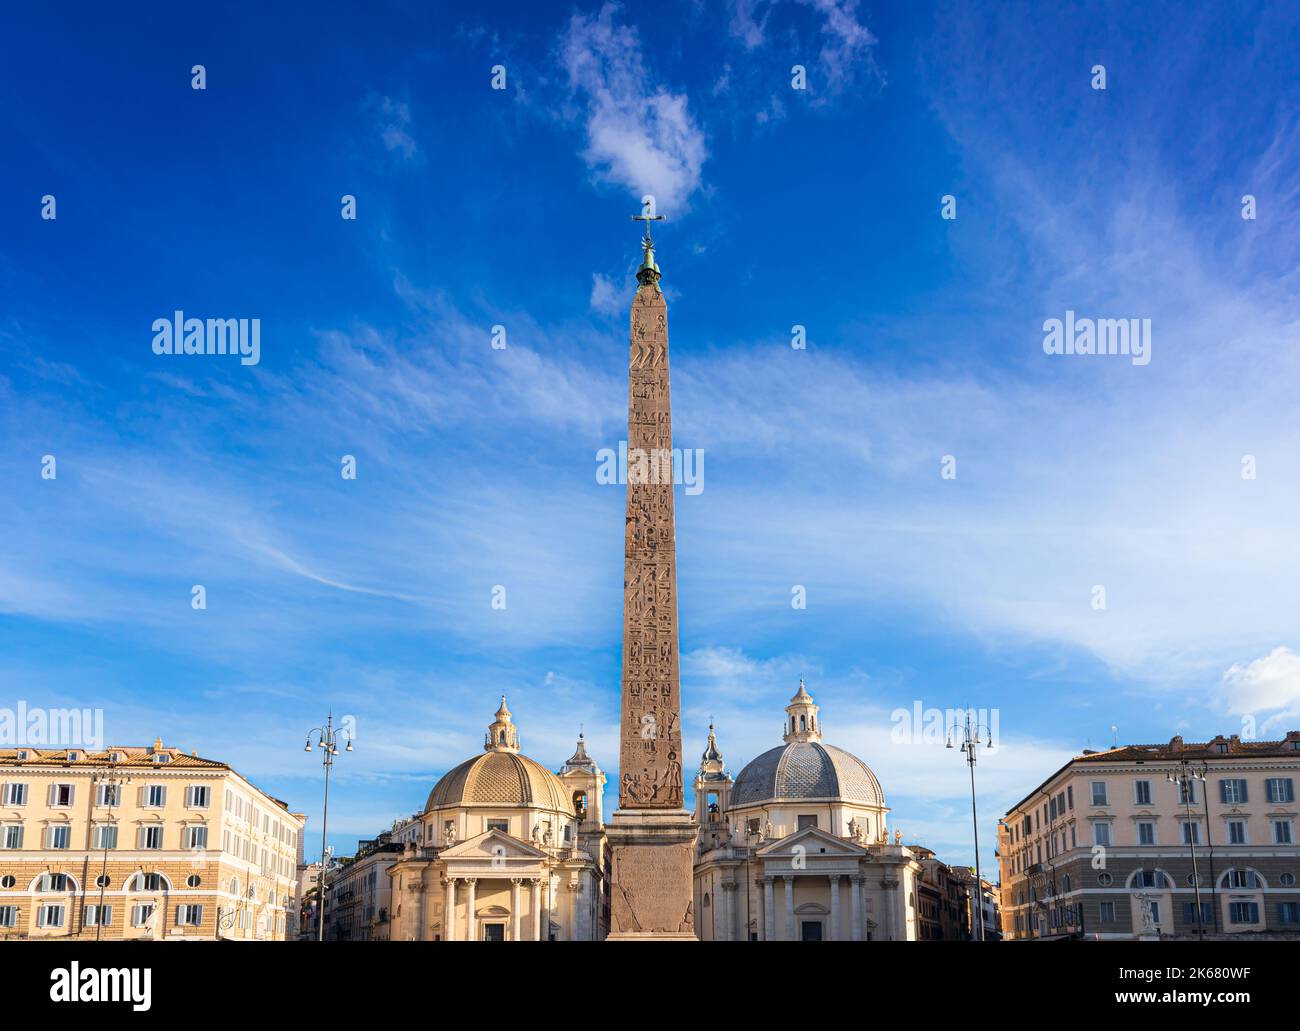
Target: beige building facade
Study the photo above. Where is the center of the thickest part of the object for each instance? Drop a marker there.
(1123, 843)
(145, 843)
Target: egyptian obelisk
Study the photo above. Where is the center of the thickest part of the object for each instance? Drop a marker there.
(651, 836)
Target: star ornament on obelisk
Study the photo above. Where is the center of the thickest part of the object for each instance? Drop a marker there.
(651, 836)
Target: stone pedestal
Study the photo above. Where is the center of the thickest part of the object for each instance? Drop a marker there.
(651, 852)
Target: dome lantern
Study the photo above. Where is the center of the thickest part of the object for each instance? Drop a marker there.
(802, 722)
(502, 735)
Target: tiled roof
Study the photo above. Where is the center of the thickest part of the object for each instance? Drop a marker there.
(127, 756)
(1177, 748)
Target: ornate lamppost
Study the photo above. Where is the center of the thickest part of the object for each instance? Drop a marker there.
(1186, 776)
(114, 782)
(328, 741)
(969, 735)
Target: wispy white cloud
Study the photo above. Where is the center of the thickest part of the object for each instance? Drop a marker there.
(639, 134)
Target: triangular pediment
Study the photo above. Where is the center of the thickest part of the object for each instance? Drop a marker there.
(493, 844)
(811, 841)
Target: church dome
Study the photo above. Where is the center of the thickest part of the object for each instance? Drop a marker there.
(804, 768)
(804, 771)
(501, 777)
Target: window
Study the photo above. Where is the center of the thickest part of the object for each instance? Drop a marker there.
(11, 836)
(806, 820)
(1288, 912)
(1142, 792)
(147, 882)
(1187, 791)
(1191, 832)
(1236, 832)
(99, 916)
(58, 836)
(153, 796)
(141, 913)
(189, 916)
(1243, 912)
(1154, 906)
(195, 837)
(8, 916)
(151, 837)
(103, 881)
(1232, 792)
(15, 794)
(193, 881)
(196, 796)
(1282, 832)
(50, 915)
(105, 836)
(61, 795)
(7, 881)
(1099, 792)
(1101, 834)
(73, 756)
(1069, 796)
(1146, 832)
(1105, 880)
(1280, 789)
(162, 757)
(108, 795)
(1149, 879)
(1242, 879)
(1189, 913)
(1287, 880)
(498, 825)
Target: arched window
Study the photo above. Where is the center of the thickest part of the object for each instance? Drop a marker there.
(54, 882)
(1241, 879)
(1148, 879)
(149, 882)
(803, 722)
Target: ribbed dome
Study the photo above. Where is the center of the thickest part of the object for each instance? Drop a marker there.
(501, 779)
(806, 770)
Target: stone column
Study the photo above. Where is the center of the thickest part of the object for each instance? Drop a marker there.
(769, 911)
(574, 888)
(789, 908)
(471, 928)
(536, 896)
(857, 908)
(515, 922)
(728, 911)
(835, 908)
(449, 912)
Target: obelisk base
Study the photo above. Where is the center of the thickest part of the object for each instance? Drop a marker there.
(652, 853)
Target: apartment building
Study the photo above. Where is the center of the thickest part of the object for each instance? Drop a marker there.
(1180, 840)
(148, 843)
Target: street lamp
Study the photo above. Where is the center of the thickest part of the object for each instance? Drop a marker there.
(970, 742)
(1186, 777)
(329, 743)
(114, 781)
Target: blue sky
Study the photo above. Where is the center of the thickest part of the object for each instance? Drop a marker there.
(476, 467)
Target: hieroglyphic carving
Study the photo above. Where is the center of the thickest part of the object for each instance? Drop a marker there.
(651, 746)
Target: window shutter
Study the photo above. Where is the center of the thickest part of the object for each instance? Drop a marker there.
(142, 796)
(53, 794)
(162, 795)
(1244, 792)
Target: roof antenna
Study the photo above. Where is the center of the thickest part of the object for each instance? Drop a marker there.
(1114, 736)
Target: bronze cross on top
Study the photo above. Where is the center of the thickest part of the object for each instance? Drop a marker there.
(647, 219)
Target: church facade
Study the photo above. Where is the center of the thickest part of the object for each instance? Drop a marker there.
(508, 851)
(797, 848)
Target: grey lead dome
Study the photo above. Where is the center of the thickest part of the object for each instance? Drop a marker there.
(804, 771)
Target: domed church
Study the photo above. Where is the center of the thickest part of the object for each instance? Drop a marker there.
(797, 847)
(509, 851)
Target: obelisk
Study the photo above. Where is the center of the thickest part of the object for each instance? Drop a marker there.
(652, 835)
